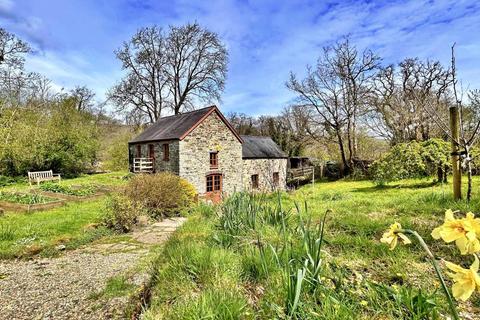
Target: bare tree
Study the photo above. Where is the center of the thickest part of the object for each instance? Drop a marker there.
(401, 96)
(290, 130)
(464, 127)
(83, 98)
(469, 132)
(143, 90)
(244, 124)
(169, 71)
(337, 89)
(196, 66)
(13, 78)
(12, 49)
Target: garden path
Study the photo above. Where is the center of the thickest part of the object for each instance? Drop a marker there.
(71, 286)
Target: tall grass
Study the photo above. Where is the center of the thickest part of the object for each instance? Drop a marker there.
(7, 232)
(293, 283)
(312, 238)
(289, 261)
(300, 262)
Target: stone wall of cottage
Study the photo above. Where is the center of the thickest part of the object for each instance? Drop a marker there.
(212, 135)
(172, 164)
(265, 169)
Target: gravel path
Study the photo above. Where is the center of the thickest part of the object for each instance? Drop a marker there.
(63, 288)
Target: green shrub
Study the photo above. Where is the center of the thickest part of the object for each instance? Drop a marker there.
(57, 137)
(402, 161)
(115, 156)
(436, 156)
(413, 160)
(5, 180)
(161, 195)
(121, 214)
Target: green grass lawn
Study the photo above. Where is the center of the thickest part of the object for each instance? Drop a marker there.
(212, 274)
(24, 235)
(110, 179)
(39, 233)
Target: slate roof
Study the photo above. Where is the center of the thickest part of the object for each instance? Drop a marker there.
(177, 126)
(256, 147)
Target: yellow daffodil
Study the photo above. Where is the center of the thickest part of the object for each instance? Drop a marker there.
(391, 236)
(463, 231)
(465, 280)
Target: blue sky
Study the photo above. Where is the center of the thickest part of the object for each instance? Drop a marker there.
(74, 40)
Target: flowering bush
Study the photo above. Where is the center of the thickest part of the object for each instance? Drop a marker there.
(465, 232)
(402, 161)
(413, 160)
(161, 195)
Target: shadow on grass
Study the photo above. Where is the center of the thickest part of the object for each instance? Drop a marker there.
(375, 188)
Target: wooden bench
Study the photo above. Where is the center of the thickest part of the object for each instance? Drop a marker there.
(39, 176)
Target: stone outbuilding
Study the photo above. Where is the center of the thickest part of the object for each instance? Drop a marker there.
(203, 147)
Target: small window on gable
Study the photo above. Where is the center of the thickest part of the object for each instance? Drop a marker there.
(139, 151)
(213, 160)
(276, 179)
(254, 181)
(166, 152)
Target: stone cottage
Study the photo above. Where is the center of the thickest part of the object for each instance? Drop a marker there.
(203, 147)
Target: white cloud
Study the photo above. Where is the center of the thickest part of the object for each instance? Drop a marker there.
(266, 39)
(72, 68)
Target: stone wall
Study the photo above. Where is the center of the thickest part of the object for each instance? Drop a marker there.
(211, 135)
(171, 165)
(265, 169)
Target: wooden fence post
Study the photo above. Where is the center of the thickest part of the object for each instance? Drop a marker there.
(313, 175)
(456, 170)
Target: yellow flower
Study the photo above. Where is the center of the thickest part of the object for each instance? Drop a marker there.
(463, 231)
(465, 280)
(391, 236)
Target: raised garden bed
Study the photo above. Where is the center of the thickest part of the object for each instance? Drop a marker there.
(27, 202)
(71, 193)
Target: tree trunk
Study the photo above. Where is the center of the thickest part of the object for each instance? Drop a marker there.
(455, 132)
(440, 174)
(469, 172)
(354, 134)
(469, 175)
(350, 146)
(346, 167)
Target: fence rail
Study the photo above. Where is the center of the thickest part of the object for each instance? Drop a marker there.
(142, 165)
(300, 172)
